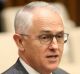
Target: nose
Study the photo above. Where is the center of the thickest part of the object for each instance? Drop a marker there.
(54, 44)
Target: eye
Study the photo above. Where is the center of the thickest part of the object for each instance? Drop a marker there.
(60, 36)
(44, 36)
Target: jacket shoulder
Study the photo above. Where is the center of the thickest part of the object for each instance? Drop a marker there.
(60, 71)
(11, 70)
(17, 68)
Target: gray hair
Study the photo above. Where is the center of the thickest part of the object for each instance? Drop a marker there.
(23, 19)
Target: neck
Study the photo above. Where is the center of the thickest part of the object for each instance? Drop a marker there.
(41, 71)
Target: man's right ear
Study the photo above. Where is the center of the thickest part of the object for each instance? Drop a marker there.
(18, 40)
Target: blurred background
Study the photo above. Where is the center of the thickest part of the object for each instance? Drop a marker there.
(70, 13)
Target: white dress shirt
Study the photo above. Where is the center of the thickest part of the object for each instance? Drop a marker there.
(28, 68)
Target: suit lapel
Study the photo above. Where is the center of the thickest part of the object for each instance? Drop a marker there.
(20, 68)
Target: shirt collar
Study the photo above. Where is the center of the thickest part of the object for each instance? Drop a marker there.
(28, 68)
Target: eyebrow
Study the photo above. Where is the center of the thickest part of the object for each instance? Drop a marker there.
(47, 31)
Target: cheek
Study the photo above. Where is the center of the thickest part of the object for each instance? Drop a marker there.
(35, 50)
(38, 47)
(61, 48)
(39, 51)
(37, 54)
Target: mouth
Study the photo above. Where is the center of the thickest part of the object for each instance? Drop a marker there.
(52, 57)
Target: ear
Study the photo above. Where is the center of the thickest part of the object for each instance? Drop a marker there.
(18, 40)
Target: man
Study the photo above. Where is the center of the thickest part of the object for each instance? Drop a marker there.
(39, 35)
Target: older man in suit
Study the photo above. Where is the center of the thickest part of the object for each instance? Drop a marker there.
(39, 35)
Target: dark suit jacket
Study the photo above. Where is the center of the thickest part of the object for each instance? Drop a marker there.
(17, 68)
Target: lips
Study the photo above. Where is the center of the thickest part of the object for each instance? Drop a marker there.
(52, 56)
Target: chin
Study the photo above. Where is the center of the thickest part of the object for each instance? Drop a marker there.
(51, 67)
(54, 66)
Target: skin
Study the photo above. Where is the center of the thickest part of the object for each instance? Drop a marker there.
(37, 55)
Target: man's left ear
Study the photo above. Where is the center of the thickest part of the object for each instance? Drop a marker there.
(18, 40)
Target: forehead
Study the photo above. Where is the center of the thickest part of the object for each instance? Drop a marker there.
(45, 19)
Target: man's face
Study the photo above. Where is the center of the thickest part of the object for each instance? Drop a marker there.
(39, 54)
